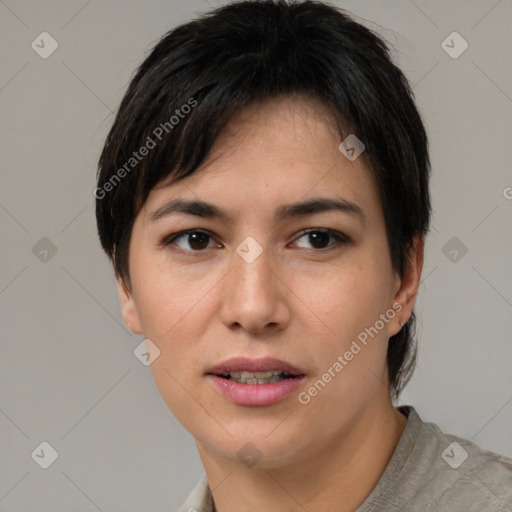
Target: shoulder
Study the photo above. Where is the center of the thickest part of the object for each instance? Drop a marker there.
(483, 482)
(460, 475)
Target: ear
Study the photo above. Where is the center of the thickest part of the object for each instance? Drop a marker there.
(406, 287)
(128, 308)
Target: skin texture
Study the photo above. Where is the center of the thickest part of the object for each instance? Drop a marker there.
(296, 301)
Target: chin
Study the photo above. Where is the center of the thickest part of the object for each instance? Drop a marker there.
(260, 445)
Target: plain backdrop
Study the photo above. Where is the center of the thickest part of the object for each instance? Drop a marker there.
(68, 373)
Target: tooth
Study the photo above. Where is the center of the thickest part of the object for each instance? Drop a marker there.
(255, 375)
(264, 375)
(275, 378)
(251, 381)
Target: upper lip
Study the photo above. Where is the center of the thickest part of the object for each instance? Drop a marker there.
(266, 364)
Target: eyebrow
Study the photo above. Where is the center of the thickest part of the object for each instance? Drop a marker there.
(300, 209)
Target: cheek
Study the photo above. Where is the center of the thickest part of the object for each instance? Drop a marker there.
(166, 297)
(340, 308)
(173, 316)
(172, 313)
(343, 299)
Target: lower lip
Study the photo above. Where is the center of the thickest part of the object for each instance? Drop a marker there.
(256, 394)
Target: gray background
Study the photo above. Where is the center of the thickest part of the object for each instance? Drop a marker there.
(68, 373)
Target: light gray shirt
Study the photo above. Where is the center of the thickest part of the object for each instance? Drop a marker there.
(429, 471)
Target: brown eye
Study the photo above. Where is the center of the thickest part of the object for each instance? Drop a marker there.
(319, 238)
(196, 240)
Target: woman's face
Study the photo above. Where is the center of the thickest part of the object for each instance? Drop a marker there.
(252, 284)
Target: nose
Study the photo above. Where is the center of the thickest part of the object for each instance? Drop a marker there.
(255, 296)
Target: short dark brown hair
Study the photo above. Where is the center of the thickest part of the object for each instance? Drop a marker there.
(201, 73)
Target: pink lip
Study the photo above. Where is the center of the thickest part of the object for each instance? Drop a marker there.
(255, 394)
(265, 364)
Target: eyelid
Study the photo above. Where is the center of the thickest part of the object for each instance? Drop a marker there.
(169, 239)
(337, 235)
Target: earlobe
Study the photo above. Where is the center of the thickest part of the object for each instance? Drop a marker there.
(128, 308)
(408, 285)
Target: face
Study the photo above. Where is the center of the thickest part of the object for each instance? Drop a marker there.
(263, 281)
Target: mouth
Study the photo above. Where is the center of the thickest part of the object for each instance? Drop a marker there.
(255, 371)
(256, 382)
(256, 377)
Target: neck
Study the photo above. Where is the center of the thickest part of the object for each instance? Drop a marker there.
(340, 477)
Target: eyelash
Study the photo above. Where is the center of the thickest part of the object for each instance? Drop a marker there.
(338, 236)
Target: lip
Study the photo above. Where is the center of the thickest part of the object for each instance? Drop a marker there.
(265, 364)
(255, 395)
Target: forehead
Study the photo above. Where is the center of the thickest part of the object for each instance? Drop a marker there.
(273, 153)
(281, 129)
